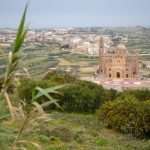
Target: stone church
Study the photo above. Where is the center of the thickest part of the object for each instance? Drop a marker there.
(117, 65)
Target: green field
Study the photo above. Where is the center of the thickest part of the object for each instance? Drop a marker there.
(37, 61)
(83, 132)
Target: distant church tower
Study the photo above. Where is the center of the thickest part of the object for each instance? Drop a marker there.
(101, 46)
(101, 53)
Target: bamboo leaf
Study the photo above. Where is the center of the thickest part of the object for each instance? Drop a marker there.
(43, 92)
(4, 117)
(45, 104)
(21, 40)
(20, 31)
(48, 90)
(57, 87)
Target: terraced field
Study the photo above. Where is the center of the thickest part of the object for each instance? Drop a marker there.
(38, 59)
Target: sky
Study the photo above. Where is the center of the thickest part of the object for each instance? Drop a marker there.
(76, 13)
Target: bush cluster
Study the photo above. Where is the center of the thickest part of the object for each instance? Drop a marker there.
(128, 115)
(139, 94)
(77, 95)
(27, 86)
(59, 77)
(82, 96)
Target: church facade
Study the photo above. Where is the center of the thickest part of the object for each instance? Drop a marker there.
(118, 65)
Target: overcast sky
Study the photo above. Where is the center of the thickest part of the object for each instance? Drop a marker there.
(76, 13)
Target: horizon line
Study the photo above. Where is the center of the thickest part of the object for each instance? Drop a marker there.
(132, 26)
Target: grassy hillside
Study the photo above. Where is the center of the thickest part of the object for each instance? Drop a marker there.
(82, 132)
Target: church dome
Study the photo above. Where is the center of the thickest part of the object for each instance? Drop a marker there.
(121, 47)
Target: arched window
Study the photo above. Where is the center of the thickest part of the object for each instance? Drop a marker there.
(118, 74)
(127, 76)
(109, 75)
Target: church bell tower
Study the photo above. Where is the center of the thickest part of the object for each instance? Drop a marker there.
(101, 52)
(101, 46)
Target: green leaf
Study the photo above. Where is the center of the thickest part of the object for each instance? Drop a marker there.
(21, 40)
(21, 33)
(57, 87)
(45, 92)
(4, 117)
(45, 104)
(49, 90)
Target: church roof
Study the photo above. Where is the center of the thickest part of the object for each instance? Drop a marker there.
(121, 48)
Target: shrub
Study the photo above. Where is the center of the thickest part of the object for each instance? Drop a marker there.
(128, 115)
(53, 78)
(26, 87)
(112, 94)
(139, 94)
(59, 77)
(82, 96)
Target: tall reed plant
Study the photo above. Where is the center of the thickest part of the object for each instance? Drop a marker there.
(25, 119)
